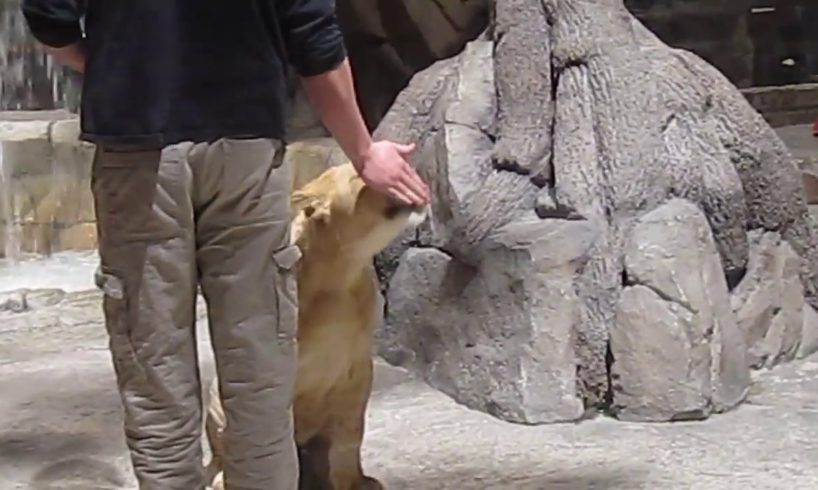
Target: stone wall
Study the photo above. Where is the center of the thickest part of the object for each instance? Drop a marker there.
(753, 42)
(715, 30)
(45, 204)
(785, 105)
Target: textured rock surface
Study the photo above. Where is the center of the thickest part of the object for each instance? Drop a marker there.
(515, 359)
(677, 352)
(577, 111)
(769, 301)
(62, 428)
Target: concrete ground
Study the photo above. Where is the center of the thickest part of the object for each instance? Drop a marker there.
(60, 424)
(801, 142)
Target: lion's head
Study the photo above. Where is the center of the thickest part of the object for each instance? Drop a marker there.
(336, 213)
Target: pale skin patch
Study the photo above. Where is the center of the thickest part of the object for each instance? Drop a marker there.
(339, 225)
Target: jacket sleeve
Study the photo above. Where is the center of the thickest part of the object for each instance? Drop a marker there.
(55, 23)
(312, 37)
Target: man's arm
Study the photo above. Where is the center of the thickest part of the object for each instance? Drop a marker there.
(56, 25)
(315, 47)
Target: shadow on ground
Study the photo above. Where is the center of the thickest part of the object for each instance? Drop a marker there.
(63, 433)
(72, 461)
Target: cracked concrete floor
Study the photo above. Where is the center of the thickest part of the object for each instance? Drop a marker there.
(61, 426)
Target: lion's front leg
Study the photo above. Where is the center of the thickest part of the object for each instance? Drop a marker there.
(345, 433)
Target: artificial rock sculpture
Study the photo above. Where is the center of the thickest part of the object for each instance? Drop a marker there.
(593, 194)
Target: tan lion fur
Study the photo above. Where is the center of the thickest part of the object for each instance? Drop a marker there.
(340, 225)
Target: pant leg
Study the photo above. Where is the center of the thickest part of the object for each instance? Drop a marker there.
(247, 270)
(148, 275)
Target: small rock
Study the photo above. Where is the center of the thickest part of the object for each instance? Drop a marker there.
(43, 298)
(23, 300)
(14, 301)
(769, 301)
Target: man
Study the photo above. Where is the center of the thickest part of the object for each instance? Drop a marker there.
(185, 100)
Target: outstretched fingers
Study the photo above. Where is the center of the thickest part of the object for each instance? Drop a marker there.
(415, 185)
(400, 194)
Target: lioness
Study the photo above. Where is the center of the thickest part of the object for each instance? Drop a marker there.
(340, 225)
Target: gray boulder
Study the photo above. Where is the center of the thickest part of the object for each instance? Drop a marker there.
(513, 356)
(677, 352)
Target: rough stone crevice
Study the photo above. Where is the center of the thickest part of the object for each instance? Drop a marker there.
(473, 127)
(664, 295)
(608, 399)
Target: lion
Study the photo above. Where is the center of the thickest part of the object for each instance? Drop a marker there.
(339, 224)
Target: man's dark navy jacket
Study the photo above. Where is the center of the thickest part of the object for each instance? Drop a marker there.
(163, 71)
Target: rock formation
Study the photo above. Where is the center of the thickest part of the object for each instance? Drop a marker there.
(389, 41)
(613, 226)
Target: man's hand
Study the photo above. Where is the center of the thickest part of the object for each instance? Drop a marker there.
(382, 165)
(385, 168)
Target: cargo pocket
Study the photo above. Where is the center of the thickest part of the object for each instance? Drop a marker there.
(286, 286)
(115, 307)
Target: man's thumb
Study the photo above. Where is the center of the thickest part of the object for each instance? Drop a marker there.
(405, 149)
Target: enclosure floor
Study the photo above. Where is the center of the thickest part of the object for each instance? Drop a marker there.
(61, 420)
(801, 142)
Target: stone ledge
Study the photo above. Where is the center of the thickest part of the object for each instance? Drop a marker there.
(57, 127)
(801, 143)
(46, 204)
(786, 104)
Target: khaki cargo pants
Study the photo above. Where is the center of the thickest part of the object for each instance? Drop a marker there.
(215, 215)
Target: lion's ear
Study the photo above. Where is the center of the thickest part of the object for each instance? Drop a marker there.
(310, 205)
(304, 217)
(300, 200)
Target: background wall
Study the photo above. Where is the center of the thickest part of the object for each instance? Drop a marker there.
(753, 42)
